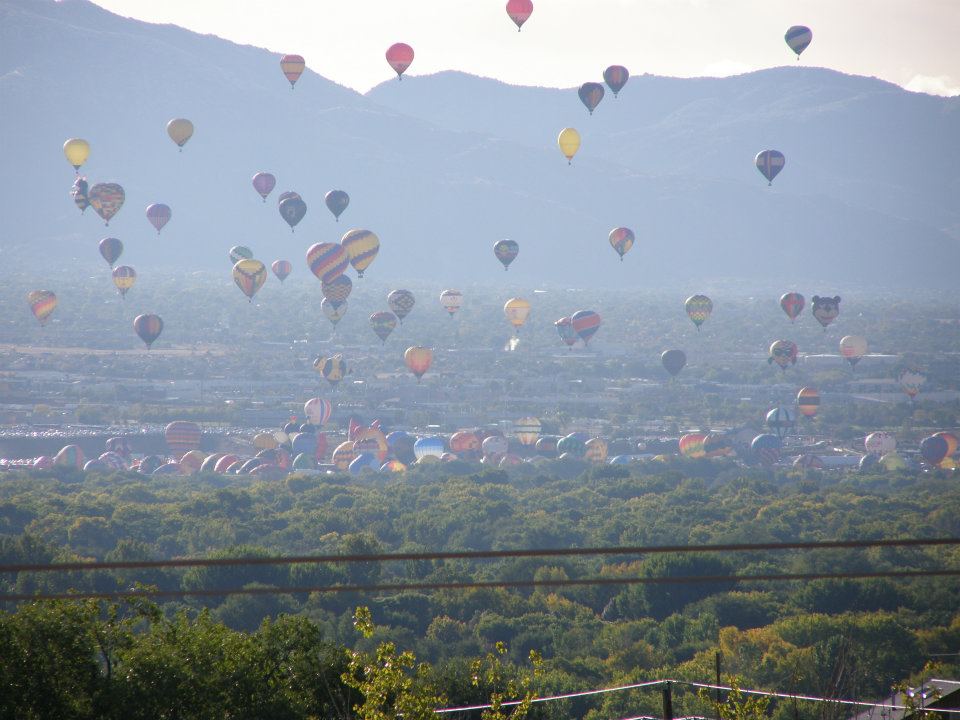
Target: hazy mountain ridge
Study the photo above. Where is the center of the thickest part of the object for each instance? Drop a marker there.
(440, 187)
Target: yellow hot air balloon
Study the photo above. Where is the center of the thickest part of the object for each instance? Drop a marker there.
(180, 130)
(249, 275)
(516, 310)
(569, 142)
(77, 151)
(362, 246)
(596, 450)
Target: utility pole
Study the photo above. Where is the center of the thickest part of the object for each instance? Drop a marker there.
(667, 701)
(717, 659)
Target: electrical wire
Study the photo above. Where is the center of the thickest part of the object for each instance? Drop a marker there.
(473, 585)
(471, 555)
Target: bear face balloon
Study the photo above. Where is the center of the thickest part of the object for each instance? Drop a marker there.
(826, 309)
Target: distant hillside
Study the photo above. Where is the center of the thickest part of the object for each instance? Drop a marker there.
(441, 167)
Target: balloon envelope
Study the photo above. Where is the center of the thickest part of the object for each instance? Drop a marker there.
(616, 77)
(106, 199)
(337, 290)
(506, 252)
(148, 327)
(124, 278)
(673, 361)
(362, 247)
(591, 93)
(180, 130)
(451, 300)
(281, 268)
(585, 324)
(825, 309)
(699, 308)
(383, 324)
(292, 67)
(336, 201)
(853, 347)
(516, 310)
(111, 249)
(798, 37)
(333, 311)
(808, 401)
(401, 302)
(569, 143)
(770, 163)
(792, 304)
(566, 331)
(933, 449)
(327, 261)
(249, 275)
(42, 304)
(238, 253)
(519, 11)
(399, 57)
(621, 239)
(263, 183)
(418, 360)
(76, 150)
(292, 211)
(783, 353)
(159, 215)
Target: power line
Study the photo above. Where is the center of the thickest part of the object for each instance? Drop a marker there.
(473, 585)
(470, 555)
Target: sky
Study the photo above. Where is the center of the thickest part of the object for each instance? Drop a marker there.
(566, 42)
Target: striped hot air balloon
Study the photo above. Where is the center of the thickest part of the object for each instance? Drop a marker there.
(527, 430)
(362, 247)
(292, 67)
(808, 402)
(182, 436)
(42, 304)
(798, 37)
(327, 260)
(585, 324)
(699, 308)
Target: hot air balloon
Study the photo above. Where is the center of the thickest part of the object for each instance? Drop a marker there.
(781, 420)
(853, 347)
(910, 382)
(77, 151)
(464, 443)
(337, 201)
(494, 446)
(572, 445)
(783, 353)
(808, 401)
(148, 327)
(591, 93)
(519, 11)
(673, 361)
(79, 192)
(106, 199)
(698, 309)
(595, 450)
(431, 445)
(952, 441)
(124, 278)
(327, 260)
(292, 67)
(383, 324)
(451, 301)
(337, 290)
(616, 77)
(569, 143)
(506, 252)
(292, 210)
(318, 411)
(585, 324)
(333, 369)
(182, 436)
(180, 130)
(691, 445)
(770, 163)
(362, 247)
(527, 430)
(69, 456)
(281, 268)
(372, 440)
(288, 195)
(717, 444)
(249, 275)
(621, 240)
(516, 310)
(798, 37)
(766, 448)
(792, 304)
(880, 443)
(238, 253)
(399, 56)
(333, 311)
(825, 309)
(110, 250)
(42, 304)
(159, 215)
(418, 360)
(933, 450)
(566, 331)
(263, 183)
(401, 302)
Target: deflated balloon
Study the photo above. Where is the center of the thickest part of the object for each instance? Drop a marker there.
(673, 361)
(591, 93)
(292, 210)
(585, 324)
(699, 308)
(399, 56)
(336, 201)
(383, 324)
(792, 304)
(124, 278)
(418, 360)
(281, 268)
(327, 260)
(451, 300)
(401, 302)
(797, 38)
(621, 240)
(148, 327)
(42, 304)
(770, 163)
(180, 130)
(362, 247)
(616, 77)
(516, 310)
(263, 183)
(506, 252)
(159, 215)
(106, 199)
(76, 150)
(292, 67)
(249, 275)
(519, 11)
(110, 250)
(569, 143)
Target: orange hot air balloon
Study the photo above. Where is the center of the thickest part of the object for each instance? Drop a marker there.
(400, 56)
(292, 66)
(691, 445)
(418, 360)
(808, 401)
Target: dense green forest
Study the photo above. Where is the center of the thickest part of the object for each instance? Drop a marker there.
(830, 637)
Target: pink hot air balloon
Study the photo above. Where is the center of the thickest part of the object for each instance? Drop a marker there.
(263, 183)
(399, 56)
(159, 215)
(519, 11)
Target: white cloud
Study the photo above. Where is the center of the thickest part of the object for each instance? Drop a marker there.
(726, 67)
(934, 85)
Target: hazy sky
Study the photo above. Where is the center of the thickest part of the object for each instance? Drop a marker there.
(566, 42)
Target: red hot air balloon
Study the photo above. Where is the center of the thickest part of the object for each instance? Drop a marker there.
(327, 260)
(616, 77)
(792, 304)
(263, 183)
(585, 324)
(292, 66)
(519, 11)
(400, 56)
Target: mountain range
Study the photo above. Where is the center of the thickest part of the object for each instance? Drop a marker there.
(442, 166)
